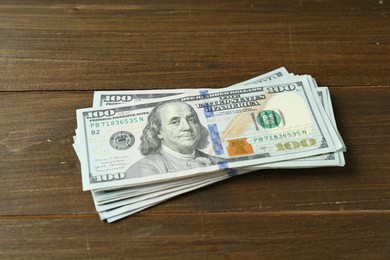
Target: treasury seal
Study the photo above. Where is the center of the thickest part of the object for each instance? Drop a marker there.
(122, 140)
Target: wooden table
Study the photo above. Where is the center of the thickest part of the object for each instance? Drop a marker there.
(54, 54)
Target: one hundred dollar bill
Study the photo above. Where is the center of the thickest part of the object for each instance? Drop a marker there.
(246, 126)
(323, 160)
(105, 98)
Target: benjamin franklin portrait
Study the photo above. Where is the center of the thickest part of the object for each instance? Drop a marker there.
(171, 141)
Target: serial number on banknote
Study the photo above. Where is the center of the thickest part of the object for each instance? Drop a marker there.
(280, 136)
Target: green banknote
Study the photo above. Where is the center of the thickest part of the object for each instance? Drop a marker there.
(223, 129)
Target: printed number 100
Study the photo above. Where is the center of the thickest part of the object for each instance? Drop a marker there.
(294, 144)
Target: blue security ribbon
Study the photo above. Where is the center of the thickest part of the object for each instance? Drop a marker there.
(215, 139)
(208, 112)
(230, 171)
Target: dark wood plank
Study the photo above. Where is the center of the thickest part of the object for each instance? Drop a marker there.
(41, 174)
(47, 47)
(50, 45)
(203, 236)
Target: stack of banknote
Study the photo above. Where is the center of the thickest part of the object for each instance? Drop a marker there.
(138, 148)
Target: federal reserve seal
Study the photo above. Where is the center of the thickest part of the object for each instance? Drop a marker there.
(122, 140)
(268, 119)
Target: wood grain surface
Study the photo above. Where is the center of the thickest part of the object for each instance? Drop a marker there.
(54, 54)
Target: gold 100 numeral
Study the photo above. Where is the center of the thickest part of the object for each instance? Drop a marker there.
(295, 145)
